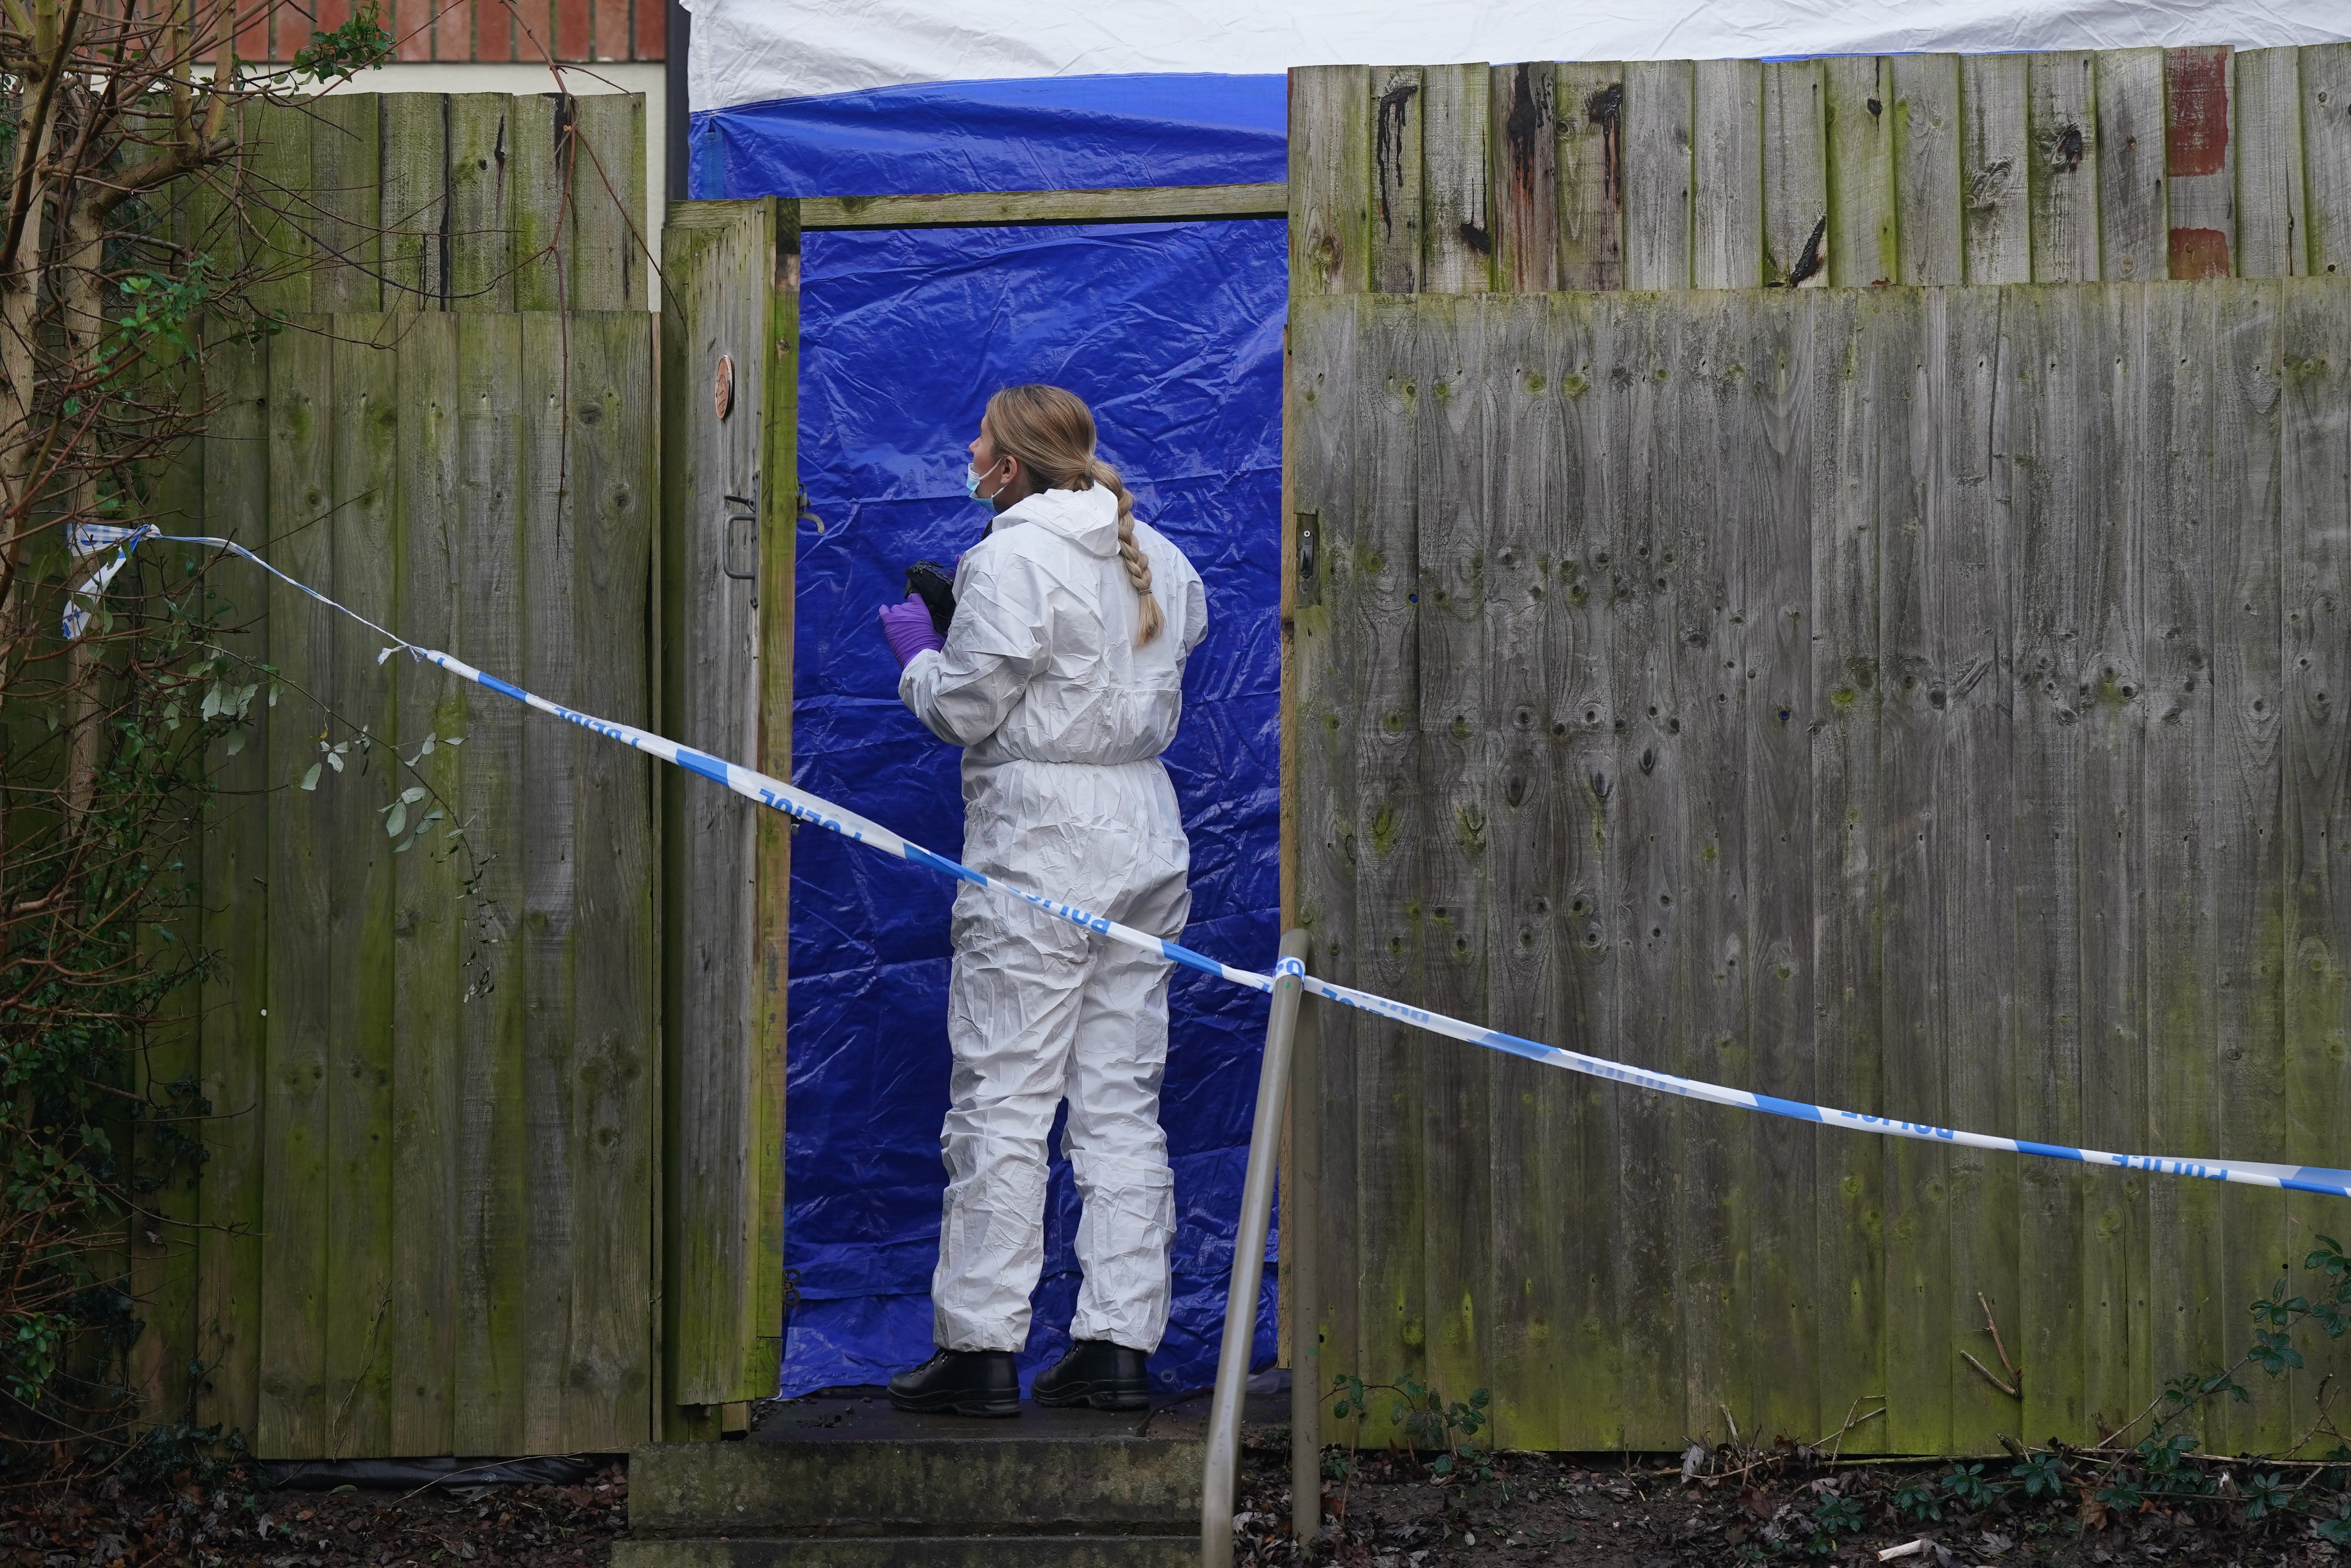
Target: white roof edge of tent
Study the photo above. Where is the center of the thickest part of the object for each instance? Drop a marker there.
(753, 51)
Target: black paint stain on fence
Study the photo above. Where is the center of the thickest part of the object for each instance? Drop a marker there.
(1394, 104)
(1606, 109)
(1527, 120)
(1810, 261)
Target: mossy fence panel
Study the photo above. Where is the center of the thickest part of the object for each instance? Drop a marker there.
(430, 1217)
(427, 1219)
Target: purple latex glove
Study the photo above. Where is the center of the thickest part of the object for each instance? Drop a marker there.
(908, 628)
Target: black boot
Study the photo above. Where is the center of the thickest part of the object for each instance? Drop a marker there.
(1097, 1373)
(965, 1382)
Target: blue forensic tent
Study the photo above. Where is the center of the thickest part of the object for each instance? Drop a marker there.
(1173, 331)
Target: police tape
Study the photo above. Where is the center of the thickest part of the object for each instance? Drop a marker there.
(777, 795)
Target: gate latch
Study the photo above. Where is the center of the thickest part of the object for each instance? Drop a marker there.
(1309, 576)
(750, 514)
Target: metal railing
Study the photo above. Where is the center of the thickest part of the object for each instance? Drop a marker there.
(1240, 1300)
(1301, 1270)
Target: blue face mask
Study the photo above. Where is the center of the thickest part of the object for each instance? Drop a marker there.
(971, 482)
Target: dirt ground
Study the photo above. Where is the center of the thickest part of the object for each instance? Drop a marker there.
(1577, 1510)
(1618, 1512)
(214, 1521)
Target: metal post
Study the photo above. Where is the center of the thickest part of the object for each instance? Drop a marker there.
(1248, 1262)
(1301, 1240)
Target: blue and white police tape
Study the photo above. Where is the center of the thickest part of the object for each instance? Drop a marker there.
(780, 796)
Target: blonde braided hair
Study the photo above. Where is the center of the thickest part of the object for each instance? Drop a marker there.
(1051, 433)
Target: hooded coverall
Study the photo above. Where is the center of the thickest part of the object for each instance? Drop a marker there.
(1062, 719)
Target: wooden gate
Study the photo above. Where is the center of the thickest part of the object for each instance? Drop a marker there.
(730, 418)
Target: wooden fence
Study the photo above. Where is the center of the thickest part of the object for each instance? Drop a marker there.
(435, 1065)
(433, 1214)
(465, 202)
(1922, 701)
(2125, 164)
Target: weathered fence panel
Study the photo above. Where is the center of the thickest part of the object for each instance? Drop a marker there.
(430, 1210)
(2121, 165)
(1923, 702)
(434, 1057)
(465, 202)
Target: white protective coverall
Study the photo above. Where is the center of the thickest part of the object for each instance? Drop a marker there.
(1061, 718)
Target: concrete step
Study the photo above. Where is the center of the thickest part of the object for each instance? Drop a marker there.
(918, 1486)
(847, 1483)
(919, 1552)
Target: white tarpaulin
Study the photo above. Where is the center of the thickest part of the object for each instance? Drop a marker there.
(754, 51)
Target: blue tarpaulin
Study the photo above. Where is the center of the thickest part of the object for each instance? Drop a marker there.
(1172, 333)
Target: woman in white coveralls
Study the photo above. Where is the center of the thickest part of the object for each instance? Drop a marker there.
(1060, 674)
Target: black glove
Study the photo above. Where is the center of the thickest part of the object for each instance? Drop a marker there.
(930, 582)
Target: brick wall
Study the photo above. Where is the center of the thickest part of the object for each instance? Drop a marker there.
(567, 31)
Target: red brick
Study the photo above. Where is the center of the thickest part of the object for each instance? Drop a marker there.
(494, 30)
(253, 31)
(410, 24)
(573, 30)
(453, 29)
